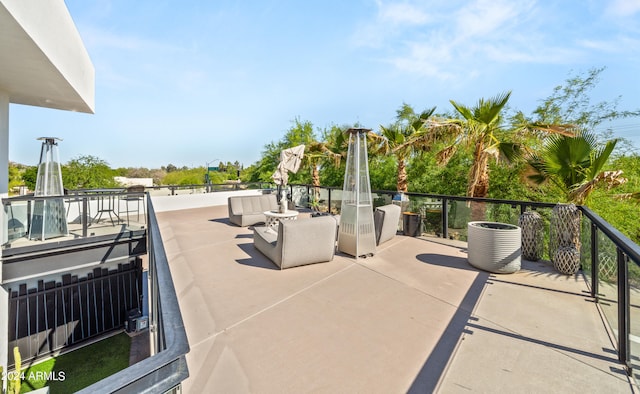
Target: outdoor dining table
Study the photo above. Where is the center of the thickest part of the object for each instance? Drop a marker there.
(106, 200)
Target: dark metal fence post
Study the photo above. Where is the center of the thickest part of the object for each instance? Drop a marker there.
(83, 218)
(595, 264)
(623, 312)
(329, 201)
(445, 218)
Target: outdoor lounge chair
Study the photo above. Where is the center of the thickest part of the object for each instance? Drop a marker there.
(298, 242)
(386, 219)
(249, 210)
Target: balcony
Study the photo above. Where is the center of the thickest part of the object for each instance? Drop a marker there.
(415, 317)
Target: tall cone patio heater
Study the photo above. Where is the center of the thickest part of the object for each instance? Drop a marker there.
(357, 234)
(48, 217)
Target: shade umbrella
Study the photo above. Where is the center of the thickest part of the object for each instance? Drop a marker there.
(290, 160)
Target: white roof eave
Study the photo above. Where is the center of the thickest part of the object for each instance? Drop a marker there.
(43, 61)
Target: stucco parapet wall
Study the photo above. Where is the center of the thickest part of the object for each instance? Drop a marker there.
(188, 201)
(43, 61)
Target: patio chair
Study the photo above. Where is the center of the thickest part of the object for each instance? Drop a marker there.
(298, 242)
(73, 197)
(386, 219)
(133, 200)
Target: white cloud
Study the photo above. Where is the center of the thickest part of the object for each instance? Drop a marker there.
(96, 39)
(623, 8)
(484, 17)
(462, 38)
(619, 44)
(390, 21)
(401, 13)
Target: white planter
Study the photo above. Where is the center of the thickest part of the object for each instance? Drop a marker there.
(494, 247)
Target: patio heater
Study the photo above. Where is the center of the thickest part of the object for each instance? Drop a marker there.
(48, 216)
(356, 236)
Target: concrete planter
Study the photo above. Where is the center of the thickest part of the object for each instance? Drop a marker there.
(494, 247)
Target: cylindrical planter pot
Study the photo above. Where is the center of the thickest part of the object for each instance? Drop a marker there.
(494, 247)
(412, 224)
(532, 235)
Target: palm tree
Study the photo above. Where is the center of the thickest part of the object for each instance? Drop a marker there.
(481, 130)
(574, 165)
(410, 133)
(328, 152)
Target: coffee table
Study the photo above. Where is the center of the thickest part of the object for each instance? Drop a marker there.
(274, 217)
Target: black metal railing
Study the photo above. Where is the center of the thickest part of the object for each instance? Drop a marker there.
(174, 190)
(604, 248)
(444, 217)
(166, 368)
(57, 314)
(82, 211)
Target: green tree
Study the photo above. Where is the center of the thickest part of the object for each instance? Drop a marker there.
(29, 176)
(412, 132)
(87, 172)
(192, 176)
(15, 175)
(569, 107)
(571, 103)
(482, 129)
(169, 168)
(574, 165)
(301, 132)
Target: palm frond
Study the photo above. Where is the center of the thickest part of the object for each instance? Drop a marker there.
(462, 110)
(567, 130)
(628, 196)
(601, 156)
(444, 155)
(511, 151)
(609, 179)
(488, 111)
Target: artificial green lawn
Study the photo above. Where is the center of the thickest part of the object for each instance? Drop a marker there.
(81, 367)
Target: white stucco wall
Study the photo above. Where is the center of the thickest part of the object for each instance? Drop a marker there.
(187, 201)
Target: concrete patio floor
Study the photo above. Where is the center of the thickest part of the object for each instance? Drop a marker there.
(416, 317)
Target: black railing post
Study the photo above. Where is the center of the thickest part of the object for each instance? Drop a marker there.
(595, 263)
(329, 200)
(623, 311)
(445, 218)
(83, 217)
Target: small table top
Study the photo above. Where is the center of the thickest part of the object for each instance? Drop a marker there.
(274, 217)
(281, 215)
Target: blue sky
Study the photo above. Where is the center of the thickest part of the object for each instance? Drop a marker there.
(188, 82)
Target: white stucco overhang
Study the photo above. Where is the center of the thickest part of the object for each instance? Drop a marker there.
(43, 61)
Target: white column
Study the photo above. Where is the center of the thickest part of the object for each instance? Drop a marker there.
(4, 161)
(4, 192)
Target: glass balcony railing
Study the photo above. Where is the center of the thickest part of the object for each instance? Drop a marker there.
(78, 214)
(609, 260)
